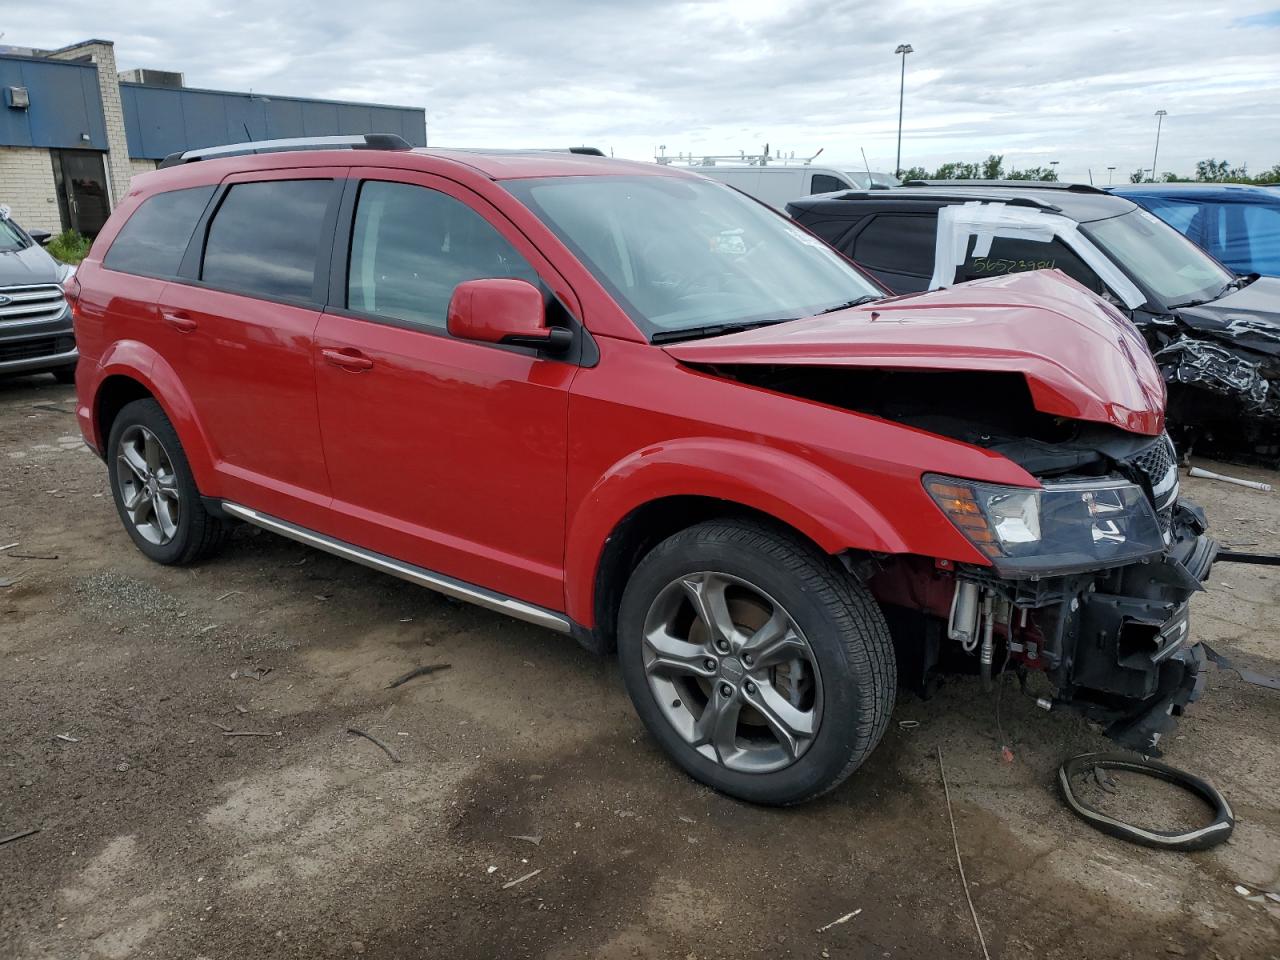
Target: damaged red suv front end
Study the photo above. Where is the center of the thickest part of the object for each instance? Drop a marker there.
(1084, 572)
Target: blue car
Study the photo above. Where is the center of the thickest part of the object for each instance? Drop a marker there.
(1237, 223)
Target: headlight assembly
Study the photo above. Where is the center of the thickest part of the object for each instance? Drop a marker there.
(1058, 528)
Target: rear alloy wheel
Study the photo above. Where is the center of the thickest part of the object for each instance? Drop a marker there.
(758, 663)
(154, 490)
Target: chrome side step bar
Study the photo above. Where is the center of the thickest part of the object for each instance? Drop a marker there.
(458, 589)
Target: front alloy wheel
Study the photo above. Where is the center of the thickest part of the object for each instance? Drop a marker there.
(755, 660)
(732, 672)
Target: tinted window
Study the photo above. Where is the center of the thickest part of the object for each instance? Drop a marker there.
(154, 239)
(411, 246)
(265, 237)
(829, 230)
(1016, 255)
(897, 244)
(824, 183)
(1261, 238)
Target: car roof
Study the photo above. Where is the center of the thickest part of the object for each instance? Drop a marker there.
(1199, 191)
(1078, 202)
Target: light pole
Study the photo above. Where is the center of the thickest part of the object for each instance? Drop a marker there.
(1053, 165)
(1160, 115)
(1110, 171)
(904, 49)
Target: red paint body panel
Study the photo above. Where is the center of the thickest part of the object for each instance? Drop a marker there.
(1081, 358)
(511, 470)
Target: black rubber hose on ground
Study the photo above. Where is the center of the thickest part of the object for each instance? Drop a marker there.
(1201, 838)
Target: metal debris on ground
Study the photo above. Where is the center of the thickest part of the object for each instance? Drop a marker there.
(527, 838)
(1210, 475)
(955, 842)
(531, 873)
(395, 757)
(839, 920)
(67, 737)
(418, 672)
(908, 724)
(9, 546)
(19, 835)
(1245, 674)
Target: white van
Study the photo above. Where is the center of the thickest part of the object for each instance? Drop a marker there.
(777, 185)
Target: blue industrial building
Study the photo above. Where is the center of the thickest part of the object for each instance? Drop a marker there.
(73, 130)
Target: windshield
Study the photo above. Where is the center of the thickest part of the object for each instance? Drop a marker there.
(11, 237)
(678, 253)
(1159, 258)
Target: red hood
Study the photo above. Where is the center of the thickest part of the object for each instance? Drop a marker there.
(1081, 358)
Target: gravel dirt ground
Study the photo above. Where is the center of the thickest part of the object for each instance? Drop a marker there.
(531, 816)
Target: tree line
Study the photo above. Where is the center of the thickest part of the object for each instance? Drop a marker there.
(1207, 171)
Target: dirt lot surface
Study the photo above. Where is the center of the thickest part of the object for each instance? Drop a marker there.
(163, 837)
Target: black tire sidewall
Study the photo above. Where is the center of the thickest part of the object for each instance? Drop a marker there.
(148, 413)
(828, 757)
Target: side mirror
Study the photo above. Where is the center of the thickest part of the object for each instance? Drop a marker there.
(504, 311)
(41, 237)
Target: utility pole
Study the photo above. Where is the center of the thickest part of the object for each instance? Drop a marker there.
(1160, 115)
(904, 49)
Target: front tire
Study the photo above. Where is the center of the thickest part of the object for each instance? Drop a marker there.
(154, 490)
(756, 661)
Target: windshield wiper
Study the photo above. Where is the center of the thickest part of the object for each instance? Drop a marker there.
(713, 330)
(849, 303)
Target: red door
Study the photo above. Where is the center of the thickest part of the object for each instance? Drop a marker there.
(247, 325)
(441, 452)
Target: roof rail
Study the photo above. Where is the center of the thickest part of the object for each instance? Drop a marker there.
(1009, 184)
(363, 141)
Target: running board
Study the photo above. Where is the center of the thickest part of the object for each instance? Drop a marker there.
(458, 589)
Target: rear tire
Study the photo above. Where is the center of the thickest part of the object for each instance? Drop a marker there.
(154, 490)
(792, 721)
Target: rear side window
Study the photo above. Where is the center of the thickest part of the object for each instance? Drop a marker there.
(153, 240)
(825, 183)
(265, 238)
(897, 244)
(1018, 255)
(411, 246)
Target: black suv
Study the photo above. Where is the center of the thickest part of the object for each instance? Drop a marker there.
(1215, 335)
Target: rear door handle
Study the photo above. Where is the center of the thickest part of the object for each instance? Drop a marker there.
(348, 361)
(178, 320)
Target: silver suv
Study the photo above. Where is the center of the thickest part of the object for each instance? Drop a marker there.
(35, 321)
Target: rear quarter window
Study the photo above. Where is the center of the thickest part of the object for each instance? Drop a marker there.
(265, 238)
(897, 244)
(153, 240)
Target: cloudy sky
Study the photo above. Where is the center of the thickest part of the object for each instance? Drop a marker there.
(1034, 81)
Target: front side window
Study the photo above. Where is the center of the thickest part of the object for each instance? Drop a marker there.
(266, 236)
(1260, 230)
(825, 183)
(1159, 258)
(411, 246)
(152, 242)
(1019, 255)
(679, 254)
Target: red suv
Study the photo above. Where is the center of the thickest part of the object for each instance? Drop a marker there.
(633, 405)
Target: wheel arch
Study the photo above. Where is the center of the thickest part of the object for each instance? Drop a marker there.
(655, 493)
(132, 371)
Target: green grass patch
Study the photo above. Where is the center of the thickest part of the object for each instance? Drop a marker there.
(68, 246)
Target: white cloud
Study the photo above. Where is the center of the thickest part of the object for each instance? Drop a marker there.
(1035, 83)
